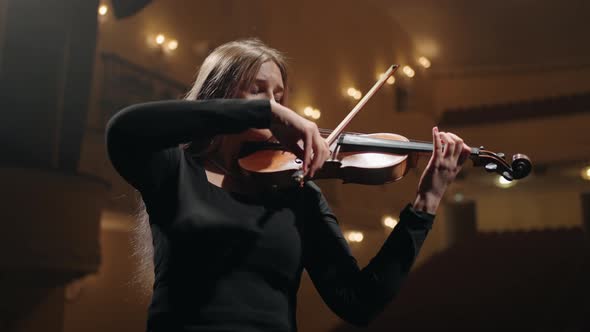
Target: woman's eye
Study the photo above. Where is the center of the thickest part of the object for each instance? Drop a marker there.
(255, 90)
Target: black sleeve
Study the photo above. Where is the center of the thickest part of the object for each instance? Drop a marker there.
(142, 139)
(356, 295)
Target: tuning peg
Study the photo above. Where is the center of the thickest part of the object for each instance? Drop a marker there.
(500, 154)
(491, 167)
(507, 176)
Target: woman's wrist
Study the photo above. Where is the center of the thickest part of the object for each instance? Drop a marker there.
(427, 202)
(277, 114)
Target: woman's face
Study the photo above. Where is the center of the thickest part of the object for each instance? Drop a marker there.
(268, 84)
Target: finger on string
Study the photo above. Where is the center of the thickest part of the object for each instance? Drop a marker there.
(465, 153)
(297, 150)
(449, 145)
(308, 150)
(320, 153)
(315, 161)
(436, 140)
(459, 145)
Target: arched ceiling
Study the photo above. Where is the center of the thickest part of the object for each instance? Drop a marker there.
(463, 34)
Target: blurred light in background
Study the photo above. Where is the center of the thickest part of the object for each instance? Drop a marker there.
(354, 236)
(311, 112)
(354, 93)
(172, 45)
(389, 221)
(160, 39)
(103, 10)
(409, 71)
(503, 183)
(424, 62)
(389, 81)
(586, 173)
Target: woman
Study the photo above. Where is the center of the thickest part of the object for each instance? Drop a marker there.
(229, 254)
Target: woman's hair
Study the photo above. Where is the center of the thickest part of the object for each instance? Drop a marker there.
(228, 69)
(233, 66)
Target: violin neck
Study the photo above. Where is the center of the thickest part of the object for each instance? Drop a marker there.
(363, 143)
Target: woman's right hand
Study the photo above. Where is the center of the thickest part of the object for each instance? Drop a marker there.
(290, 129)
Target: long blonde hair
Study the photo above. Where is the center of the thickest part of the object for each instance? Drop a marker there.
(229, 68)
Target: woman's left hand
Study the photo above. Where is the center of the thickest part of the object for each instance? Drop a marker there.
(449, 154)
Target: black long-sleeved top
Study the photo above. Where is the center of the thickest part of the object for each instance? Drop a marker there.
(224, 262)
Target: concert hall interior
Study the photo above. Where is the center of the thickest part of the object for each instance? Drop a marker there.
(511, 76)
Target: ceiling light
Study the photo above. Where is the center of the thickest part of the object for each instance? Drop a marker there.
(503, 183)
(316, 114)
(354, 236)
(103, 10)
(160, 39)
(389, 221)
(424, 62)
(408, 71)
(172, 45)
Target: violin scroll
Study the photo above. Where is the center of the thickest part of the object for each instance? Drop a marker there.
(520, 167)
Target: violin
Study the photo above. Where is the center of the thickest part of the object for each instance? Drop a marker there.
(371, 159)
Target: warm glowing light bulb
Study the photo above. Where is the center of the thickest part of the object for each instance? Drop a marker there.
(172, 45)
(409, 71)
(390, 79)
(160, 39)
(357, 95)
(316, 114)
(351, 92)
(503, 183)
(424, 62)
(103, 10)
(354, 236)
(586, 173)
(389, 222)
(308, 111)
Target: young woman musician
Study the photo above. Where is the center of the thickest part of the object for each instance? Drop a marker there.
(229, 254)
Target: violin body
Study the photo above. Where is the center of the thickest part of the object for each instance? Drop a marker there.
(275, 167)
(371, 159)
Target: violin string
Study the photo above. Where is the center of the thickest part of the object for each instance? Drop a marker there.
(326, 132)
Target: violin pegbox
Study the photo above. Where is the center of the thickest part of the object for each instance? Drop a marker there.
(493, 162)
